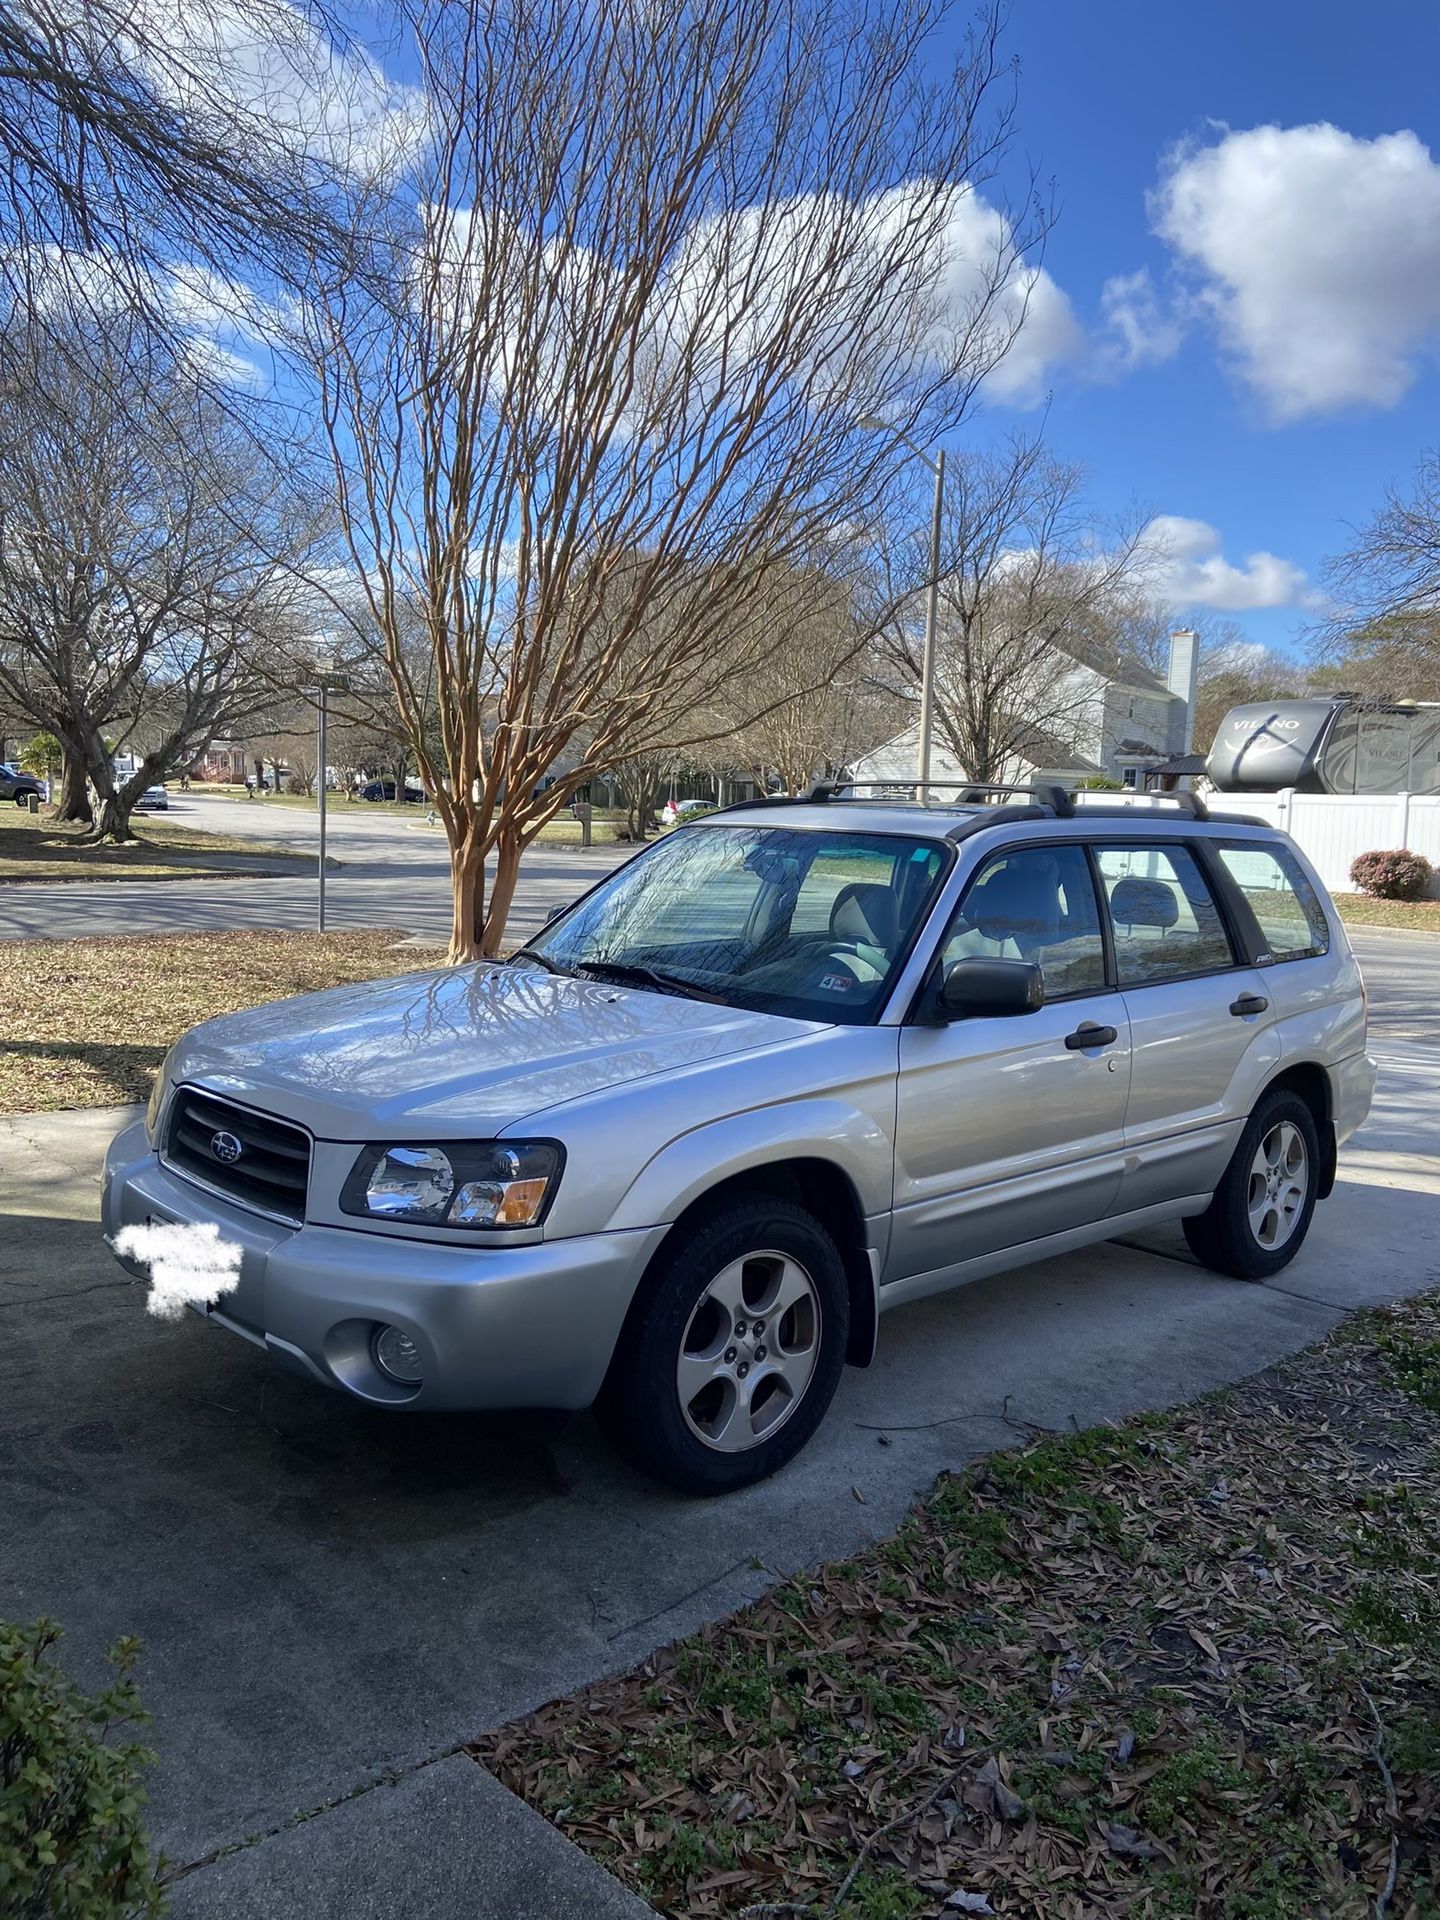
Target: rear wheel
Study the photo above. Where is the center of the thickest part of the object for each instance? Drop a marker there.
(733, 1350)
(1261, 1212)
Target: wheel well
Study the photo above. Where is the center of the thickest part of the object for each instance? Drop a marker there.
(827, 1191)
(1312, 1085)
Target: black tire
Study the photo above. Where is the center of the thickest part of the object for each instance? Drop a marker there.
(639, 1409)
(1224, 1236)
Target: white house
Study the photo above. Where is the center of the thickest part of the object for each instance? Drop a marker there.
(1125, 724)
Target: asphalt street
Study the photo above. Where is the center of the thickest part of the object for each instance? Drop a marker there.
(395, 873)
(332, 1600)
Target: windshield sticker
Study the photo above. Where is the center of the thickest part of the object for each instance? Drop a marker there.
(836, 983)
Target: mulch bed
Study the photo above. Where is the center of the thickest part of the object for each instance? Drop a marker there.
(1183, 1666)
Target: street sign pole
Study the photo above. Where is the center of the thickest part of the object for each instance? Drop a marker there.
(320, 756)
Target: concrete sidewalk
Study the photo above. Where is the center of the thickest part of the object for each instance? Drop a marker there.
(332, 1601)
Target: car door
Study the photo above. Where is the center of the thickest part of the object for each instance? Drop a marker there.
(1009, 1130)
(1202, 1028)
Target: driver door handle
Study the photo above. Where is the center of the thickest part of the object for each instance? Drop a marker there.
(1249, 1003)
(1088, 1034)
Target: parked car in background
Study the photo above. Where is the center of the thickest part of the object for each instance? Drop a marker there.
(154, 800)
(386, 790)
(788, 1068)
(17, 786)
(674, 811)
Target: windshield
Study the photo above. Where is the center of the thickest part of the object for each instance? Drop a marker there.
(769, 918)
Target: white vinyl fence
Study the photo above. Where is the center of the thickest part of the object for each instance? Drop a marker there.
(1332, 828)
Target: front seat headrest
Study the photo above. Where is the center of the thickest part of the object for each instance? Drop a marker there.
(867, 912)
(1019, 903)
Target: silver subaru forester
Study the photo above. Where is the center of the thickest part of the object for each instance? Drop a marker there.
(788, 1067)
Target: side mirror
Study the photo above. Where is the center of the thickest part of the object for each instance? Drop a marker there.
(555, 912)
(994, 988)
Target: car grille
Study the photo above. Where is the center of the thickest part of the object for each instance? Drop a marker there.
(270, 1172)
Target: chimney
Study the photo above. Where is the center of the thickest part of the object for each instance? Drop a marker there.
(1180, 679)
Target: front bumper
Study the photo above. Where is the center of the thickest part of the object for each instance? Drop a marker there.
(529, 1326)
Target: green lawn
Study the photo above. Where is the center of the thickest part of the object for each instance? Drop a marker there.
(1359, 910)
(1185, 1668)
(38, 847)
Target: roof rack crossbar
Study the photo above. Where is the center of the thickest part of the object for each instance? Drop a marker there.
(1048, 793)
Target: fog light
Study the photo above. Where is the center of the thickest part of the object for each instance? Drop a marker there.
(397, 1356)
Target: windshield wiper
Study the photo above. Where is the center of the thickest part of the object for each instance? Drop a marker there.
(523, 954)
(623, 973)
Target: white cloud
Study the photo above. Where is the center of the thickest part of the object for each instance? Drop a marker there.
(1184, 565)
(1317, 255)
(977, 239)
(263, 60)
(903, 277)
(1139, 328)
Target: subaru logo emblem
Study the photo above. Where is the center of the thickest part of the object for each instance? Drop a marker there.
(225, 1147)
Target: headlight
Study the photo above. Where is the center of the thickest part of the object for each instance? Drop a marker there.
(157, 1098)
(498, 1183)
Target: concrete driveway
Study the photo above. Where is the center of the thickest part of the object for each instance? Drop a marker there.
(330, 1598)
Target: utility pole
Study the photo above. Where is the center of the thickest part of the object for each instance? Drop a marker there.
(936, 464)
(932, 602)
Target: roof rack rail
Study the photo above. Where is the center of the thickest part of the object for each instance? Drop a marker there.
(1049, 796)
(1188, 802)
(971, 792)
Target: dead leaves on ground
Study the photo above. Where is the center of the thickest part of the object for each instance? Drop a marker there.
(85, 1023)
(1138, 1664)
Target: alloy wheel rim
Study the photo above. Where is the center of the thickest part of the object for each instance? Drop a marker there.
(749, 1351)
(1279, 1181)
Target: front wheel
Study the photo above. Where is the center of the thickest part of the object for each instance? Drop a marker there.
(733, 1349)
(1258, 1219)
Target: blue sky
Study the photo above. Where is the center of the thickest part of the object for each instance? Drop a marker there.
(1106, 91)
(1237, 322)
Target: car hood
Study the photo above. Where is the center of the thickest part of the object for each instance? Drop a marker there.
(466, 1047)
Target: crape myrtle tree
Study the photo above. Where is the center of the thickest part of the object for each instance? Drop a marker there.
(651, 264)
(150, 545)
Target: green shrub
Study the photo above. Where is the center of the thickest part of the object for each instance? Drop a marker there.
(1394, 875)
(72, 1846)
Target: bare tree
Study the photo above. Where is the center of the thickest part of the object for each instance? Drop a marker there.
(1033, 591)
(147, 553)
(153, 158)
(814, 694)
(1383, 637)
(665, 257)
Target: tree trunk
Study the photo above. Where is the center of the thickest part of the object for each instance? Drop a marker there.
(467, 901)
(74, 801)
(113, 820)
(508, 850)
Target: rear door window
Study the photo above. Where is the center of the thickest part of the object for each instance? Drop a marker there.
(1165, 919)
(1284, 903)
